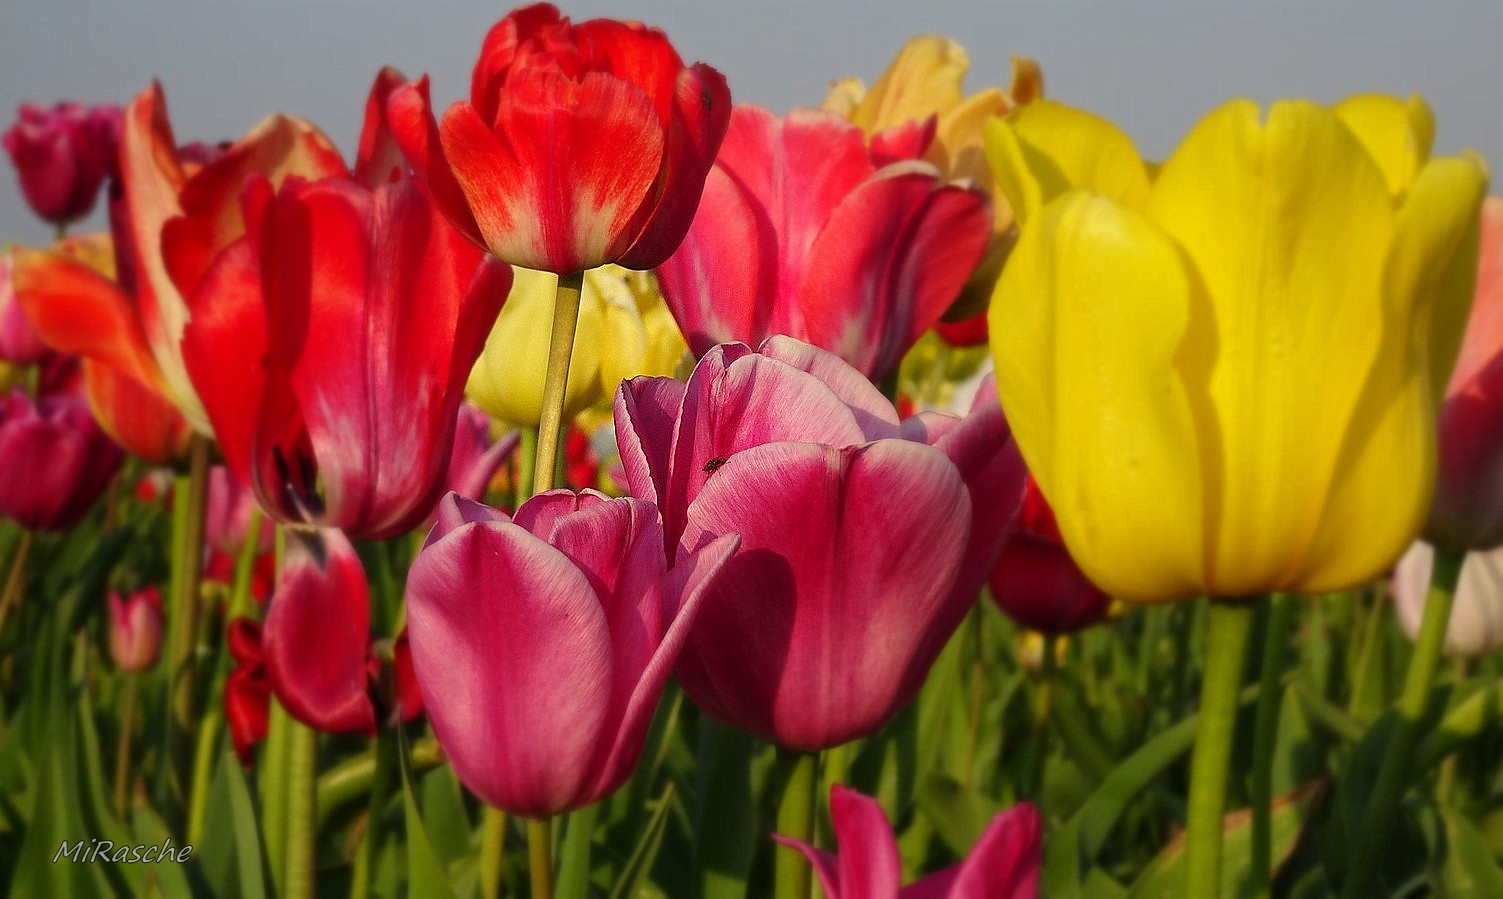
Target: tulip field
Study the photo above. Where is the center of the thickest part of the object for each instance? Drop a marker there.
(601, 486)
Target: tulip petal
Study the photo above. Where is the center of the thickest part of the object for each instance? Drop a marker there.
(815, 630)
(873, 411)
(1092, 315)
(1005, 862)
(1044, 149)
(454, 511)
(378, 154)
(646, 410)
(317, 633)
(513, 655)
(825, 864)
(410, 114)
(1283, 221)
(1396, 133)
(923, 80)
(135, 416)
(869, 864)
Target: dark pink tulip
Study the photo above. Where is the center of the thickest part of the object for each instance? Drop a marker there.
(19, 343)
(863, 541)
(1004, 863)
(135, 629)
(1036, 581)
(1467, 512)
(228, 516)
(62, 156)
(542, 643)
(56, 461)
(804, 231)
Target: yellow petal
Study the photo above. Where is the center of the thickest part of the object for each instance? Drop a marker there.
(1286, 223)
(958, 149)
(923, 80)
(1397, 134)
(1044, 149)
(844, 96)
(507, 380)
(1027, 81)
(1094, 336)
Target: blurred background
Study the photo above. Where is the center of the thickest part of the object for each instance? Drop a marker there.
(1152, 66)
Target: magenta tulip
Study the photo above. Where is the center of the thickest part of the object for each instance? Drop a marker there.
(62, 156)
(863, 541)
(1004, 863)
(56, 460)
(1467, 511)
(542, 643)
(135, 629)
(804, 231)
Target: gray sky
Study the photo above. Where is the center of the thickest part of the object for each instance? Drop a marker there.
(1152, 66)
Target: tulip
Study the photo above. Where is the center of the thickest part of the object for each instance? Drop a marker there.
(1158, 341)
(542, 643)
(135, 629)
(1467, 510)
(19, 343)
(1036, 582)
(624, 330)
(580, 144)
(247, 691)
(851, 525)
(804, 232)
(56, 461)
(1004, 863)
(1476, 625)
(228, 517)
(922, 82)
(476, 458)
(62, 156)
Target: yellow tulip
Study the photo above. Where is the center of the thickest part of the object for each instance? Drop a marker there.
(621, 334)
(925, 80)
(1224, 373)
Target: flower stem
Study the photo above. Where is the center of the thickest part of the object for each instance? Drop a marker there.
(1265, 734)
(796, 813)
(17, 577)
(560, 352)
(527, 449)
(1394, 773)
(540, 857)
(273, 782)
(384, 746)
(302, 813)
(190, 507)
(492, 848)
(1228, 623)
(122, 754)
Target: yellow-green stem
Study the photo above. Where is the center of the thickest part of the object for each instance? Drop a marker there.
(492, 849)
(17, 577)
(122, 754)
(382, 779)
(191, 497)
(527, 451)
(1265, 734)
(540, 857)
(203, 770)
(273, 781)
(560, 352)
(796, 815)
(1393, 776)
(302, 812)
(1228, 623)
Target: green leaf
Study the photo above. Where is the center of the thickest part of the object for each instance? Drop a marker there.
(724, 810)
(1467, 867)
(231, 855)
(646, 851)
(447, 820)
(54, 821)
(959, 813)
(172, 877)
(425, 873)
(574, 860)
(1164, 876)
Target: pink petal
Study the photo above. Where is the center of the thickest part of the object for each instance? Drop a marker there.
(646, 411)
(869, 865)
(317, 633)
(825, 864)
(873, 411)
(455, 510)
(1004, 864)
(513, 655)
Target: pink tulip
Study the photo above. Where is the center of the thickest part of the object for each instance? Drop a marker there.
(1476, 625)
(1467, 511)
(55, 459)
(804, 231)
(1004, 863)
(542, 643)
(1037, 583)
(229, 513)
(863, 541)
(62, 155)
(19, 343)
(475, 458)
(135, 629)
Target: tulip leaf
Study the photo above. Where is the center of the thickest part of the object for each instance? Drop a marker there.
(173, 877)
(724, 811)
(425, 873)
(444, 813)
(231, 854)
(959, 813)
(1164, 876)
(55, 825)
(1465, 866)
(646, 851)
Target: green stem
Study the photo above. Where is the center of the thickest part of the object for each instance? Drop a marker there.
(1265, 734)
(574, 856)
(274, 793)
(17, 577)
(190, 505)
(1043, 713)
(1393, 776)
(302, 812)
(1445, 784)
(540, 857)
(527, 451)
(122, 754)
(492, 848)
(369, 854)
(203, 769)
(978, 694)
(560, 352)
(1228, 623)
(796, 814)
(353, 777)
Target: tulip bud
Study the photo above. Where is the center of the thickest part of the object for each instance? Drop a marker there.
(56, 460)
(62, 156)
(135, 629)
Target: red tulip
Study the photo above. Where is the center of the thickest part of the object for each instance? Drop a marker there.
(331, 344)
(542, 643)
(1037, 583)
(135, 629)
(55, 459)
(19, 343)
(1004, 863)
(863, 541)
(580, 144)
(247, 692)
(804, 231)
(1467, 511)
(62, 156)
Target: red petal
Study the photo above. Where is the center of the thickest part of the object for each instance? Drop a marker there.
(410, 114)
(378, 154)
